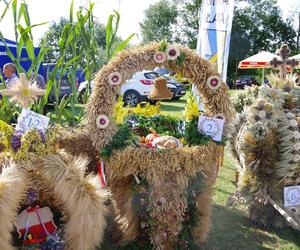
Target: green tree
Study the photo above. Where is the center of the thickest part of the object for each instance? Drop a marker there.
(176, 21)
(53, 36)
(258, 26)
(188, 22)
(159, 21)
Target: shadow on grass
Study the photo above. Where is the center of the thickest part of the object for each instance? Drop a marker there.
(183, 101)
(232, 230)
(171, 108)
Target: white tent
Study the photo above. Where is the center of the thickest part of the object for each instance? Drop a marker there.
(260, 60)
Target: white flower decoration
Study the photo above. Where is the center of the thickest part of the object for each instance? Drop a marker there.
(213, 82)
(160, 57)
(261, 103)
(102, 121)
(163, 200)
(296, 135)
(172, 52)
(296, 158)
(262, 114)
(297, 146)
(290, 115)
(115, 78)
(23, 91)
(252, 119)
(293, 123)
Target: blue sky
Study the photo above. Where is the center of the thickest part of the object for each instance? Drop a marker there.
(132, 12)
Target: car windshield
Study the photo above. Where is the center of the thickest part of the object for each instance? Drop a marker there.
(151, 75)
(162, 71)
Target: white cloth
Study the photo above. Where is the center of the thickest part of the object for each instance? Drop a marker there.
(11, 81)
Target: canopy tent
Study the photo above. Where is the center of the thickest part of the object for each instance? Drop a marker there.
(4, 58)
(260, 60)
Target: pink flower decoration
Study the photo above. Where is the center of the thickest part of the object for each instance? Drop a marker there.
(213, 82)
(163, 200)
(115, 78)
(160, 57)
(172, 52)
(102, 121)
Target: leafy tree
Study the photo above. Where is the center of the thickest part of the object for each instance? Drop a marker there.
(159, 21)
(175, 21)
(53, 36)
(258, 26)
(188, 22)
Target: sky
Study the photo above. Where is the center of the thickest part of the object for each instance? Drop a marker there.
(131, 11)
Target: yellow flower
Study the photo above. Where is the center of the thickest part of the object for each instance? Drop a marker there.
(191, 109)
(6, 132)
(120, 112)
(148, 110)
(183, 141)
(23, 91)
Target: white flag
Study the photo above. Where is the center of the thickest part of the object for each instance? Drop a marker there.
(215, 31)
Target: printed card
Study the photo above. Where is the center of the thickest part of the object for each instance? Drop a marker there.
(211, 126)
(291, 196)
(29, 120)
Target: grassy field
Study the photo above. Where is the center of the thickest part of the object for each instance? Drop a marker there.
(232, 229)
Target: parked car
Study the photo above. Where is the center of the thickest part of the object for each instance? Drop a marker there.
(229, 83)
(166, 73)
(243, 81)
(162, 71)
(138, 88)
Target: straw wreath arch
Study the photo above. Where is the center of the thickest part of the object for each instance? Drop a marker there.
(175, 57)
(136, 171)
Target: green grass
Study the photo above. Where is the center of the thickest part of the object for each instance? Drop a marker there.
(232, 229)
(173, 108)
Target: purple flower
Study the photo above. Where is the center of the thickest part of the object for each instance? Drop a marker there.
(16, 140)
(42, 134)
(31, 196)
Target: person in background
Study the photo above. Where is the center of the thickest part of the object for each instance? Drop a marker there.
(9, 71)
(40, 80)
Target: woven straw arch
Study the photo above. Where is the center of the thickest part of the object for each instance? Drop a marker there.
(103, 98)
(79, 196)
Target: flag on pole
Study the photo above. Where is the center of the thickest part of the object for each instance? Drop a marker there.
(215, 31)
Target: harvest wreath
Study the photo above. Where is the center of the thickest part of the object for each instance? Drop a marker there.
(266, 146)
(161, 188)
(161, 191)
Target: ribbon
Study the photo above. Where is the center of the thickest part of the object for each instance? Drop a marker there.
(33, 210)
(101, 173)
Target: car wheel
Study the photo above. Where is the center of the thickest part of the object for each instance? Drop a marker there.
(152, 102)
(176, 98)
(80, 95)
(131, 98)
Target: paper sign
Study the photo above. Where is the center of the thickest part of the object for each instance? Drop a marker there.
(291, 196)
(29, 120)
(211, 126)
